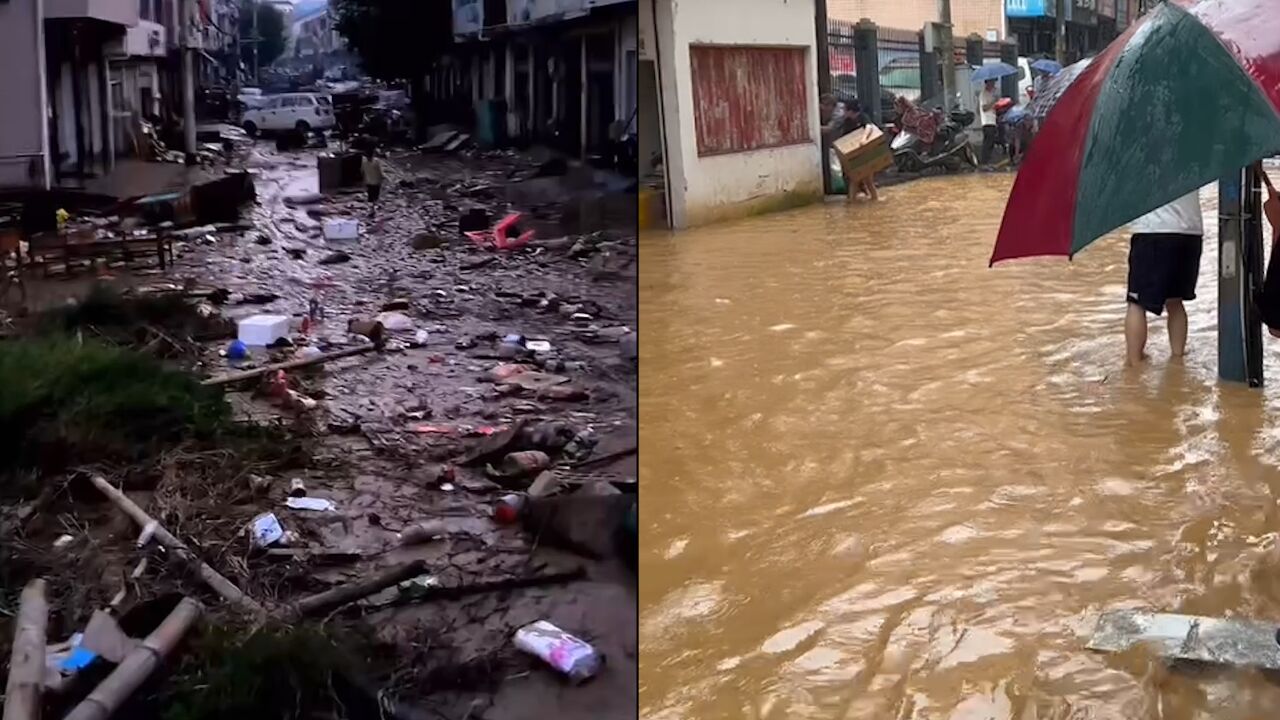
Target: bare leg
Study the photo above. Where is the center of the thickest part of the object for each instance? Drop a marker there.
(1135, 335)
(1177, 327)
(872, 192)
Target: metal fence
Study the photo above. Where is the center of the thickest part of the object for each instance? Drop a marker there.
(897, 62)
(844, 72)
(898, 52)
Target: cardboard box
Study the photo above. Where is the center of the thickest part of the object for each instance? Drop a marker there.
(863, 153)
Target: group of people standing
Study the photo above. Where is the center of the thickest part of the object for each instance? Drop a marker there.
(1014, 125)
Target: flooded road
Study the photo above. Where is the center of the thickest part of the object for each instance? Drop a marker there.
(885, 481)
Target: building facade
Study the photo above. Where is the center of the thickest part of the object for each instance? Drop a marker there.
(968, 17)
(58, 124)
(137, 72)
(556, 72)
(1090, 25)
(312, 35)
(734, 100)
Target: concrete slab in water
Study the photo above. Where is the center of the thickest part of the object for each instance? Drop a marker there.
(1245, 643)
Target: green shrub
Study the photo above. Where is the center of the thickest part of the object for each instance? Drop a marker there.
(63, 403)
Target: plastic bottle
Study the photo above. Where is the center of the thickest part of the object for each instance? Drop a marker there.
(562, 651)
(508, 509)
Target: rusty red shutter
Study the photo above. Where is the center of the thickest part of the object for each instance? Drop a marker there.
(748, 98)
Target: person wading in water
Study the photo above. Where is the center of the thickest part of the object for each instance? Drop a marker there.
(1164, 265)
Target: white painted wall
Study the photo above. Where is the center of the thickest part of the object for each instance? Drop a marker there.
(713, 188)
(22, 88)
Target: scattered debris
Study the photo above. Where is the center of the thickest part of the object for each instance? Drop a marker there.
(508, 509)
(344, 594)
(1220, 641)
(311, 503)
(138, 665)
(519, 465)
(261, 330)
(506, 235)
(546, 484)
(338, 229)
(395, 321)
(25, 686)
(211, 577)
(427, 241)
(255, 373)
(569, 655)
(423, 531)
(590, 525)
(266, 530)
(335, 258)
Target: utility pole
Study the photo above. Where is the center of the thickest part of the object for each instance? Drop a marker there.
(1060, 31)
(235, 58)
(257, 78)
(188, 81)
(946, 47)
(824, 83)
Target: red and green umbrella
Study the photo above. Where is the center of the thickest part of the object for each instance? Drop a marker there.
(1188, 95)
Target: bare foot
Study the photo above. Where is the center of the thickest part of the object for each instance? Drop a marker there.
(1142, 360)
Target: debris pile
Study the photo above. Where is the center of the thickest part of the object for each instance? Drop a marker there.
(418, 448)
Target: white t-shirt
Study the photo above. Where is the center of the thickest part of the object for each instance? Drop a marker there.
(1181, 217)
(988, 116)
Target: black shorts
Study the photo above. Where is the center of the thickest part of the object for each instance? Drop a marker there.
(373, 191)
(1163, 267)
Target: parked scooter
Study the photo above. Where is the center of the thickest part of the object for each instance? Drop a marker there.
(949, 149)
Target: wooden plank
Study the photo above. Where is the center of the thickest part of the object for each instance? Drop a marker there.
(1242, 643)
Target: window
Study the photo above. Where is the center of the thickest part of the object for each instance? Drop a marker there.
(749, 97)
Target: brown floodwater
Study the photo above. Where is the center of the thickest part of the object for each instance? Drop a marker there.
(884, 481)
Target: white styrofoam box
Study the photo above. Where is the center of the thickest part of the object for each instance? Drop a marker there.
(341, 229)
(263, 329)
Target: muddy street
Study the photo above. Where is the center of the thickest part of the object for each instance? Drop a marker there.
(941, 472)
(391, 426)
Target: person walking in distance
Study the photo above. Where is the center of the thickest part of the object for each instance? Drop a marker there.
(987, 113)
(371, 170)
(1164, 264)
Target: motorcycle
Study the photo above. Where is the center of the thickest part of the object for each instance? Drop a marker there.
(950, 148)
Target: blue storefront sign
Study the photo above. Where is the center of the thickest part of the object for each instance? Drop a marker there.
(1028, 8)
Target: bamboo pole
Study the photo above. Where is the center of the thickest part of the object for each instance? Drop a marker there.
(138, 665)
(211, 577)
(26, 664)
(288, 365)
(487, 586)
(343, 594)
